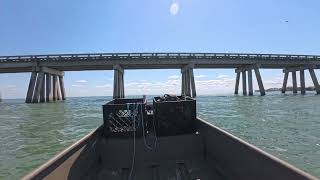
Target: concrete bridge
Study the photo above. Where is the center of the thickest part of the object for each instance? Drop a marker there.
(47, 71)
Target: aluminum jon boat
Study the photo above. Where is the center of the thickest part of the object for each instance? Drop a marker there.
(206, 153)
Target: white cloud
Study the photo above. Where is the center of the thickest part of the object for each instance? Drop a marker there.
(11, 86)
(218, 82)
(172, 82)
(200, 76)
(173, 77)
(174, 8)
(81, 81)
(103, 86)
(221, 76)
(132, 84)
(77, 85)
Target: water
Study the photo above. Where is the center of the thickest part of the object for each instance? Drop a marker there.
(286, 126)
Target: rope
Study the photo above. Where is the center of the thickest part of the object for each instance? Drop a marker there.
(133, 116)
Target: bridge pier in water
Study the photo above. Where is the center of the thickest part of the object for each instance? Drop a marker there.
(45, 85)
(188, 86)
(118, 81)
(293, 71)
(244, 71)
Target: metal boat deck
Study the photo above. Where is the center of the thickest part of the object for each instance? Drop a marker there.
(211, 153)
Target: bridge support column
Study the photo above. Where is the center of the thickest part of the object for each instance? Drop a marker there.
(118, 82)
(188, 91)
(193, 83)
(37, 89)
(285, 80)
(250, 86)
(62, 90)
(244, 83)
(260, 83)
(301, 69)
(43, 85)
(294, 82)
(55, 87)
(315, 80)
(49, 91)
(31, 87)
(302, 82)
(250, 82)
(236, 89)
(188, 86)
(183, 82)
(43, 89)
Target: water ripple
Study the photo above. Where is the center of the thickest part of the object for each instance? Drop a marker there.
(286, 126)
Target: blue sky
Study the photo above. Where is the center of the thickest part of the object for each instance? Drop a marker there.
(79, 26)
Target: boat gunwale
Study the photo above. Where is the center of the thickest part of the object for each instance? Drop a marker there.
(259, 151)
(63, 155)
(67, 152)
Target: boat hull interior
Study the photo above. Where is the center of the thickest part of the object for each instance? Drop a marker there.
(208, 153)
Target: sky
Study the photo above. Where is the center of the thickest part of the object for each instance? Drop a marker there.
(83, 26)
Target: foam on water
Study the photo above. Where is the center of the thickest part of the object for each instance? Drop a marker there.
(286, 126)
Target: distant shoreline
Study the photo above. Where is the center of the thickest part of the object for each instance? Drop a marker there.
(310, 88)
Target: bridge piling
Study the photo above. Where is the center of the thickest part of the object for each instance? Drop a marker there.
(188, 86)
(118, 82)
(244, 83)
(242, 70)
(58, 90)
(193, 84)
(31, 87)
(285, 80)
(122, 84)
(38, 87)
(55, 87)
(315, 80)
(49, 94)
(250, 86)
(294, 82)
(260, 83)
(62, 89)
(188, 92)
(236, 90)
(42, 89)
(183, 82)
(302, 82)
(301, 69)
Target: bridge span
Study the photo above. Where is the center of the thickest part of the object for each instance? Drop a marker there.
(47, 71)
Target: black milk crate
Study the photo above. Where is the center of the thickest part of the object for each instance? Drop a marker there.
(175, 115)
(116, 117)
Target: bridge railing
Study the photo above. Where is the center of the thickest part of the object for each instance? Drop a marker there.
(106, 56)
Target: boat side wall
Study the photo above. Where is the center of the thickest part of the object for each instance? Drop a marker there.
(242, 160)
(71, 163)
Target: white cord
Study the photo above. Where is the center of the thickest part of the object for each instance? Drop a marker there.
(133, 115)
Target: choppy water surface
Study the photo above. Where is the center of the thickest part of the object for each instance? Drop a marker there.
(286, 126)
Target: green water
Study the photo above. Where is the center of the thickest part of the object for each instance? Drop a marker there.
(286, 126)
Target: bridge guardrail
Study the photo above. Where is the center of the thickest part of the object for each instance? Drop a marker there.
(106, 56)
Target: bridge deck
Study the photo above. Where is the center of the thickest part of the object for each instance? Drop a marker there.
(105, 61)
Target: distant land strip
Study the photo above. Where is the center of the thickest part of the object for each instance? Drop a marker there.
(290, 88)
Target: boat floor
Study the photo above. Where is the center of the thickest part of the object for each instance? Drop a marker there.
(175, 170)
(175, 157)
